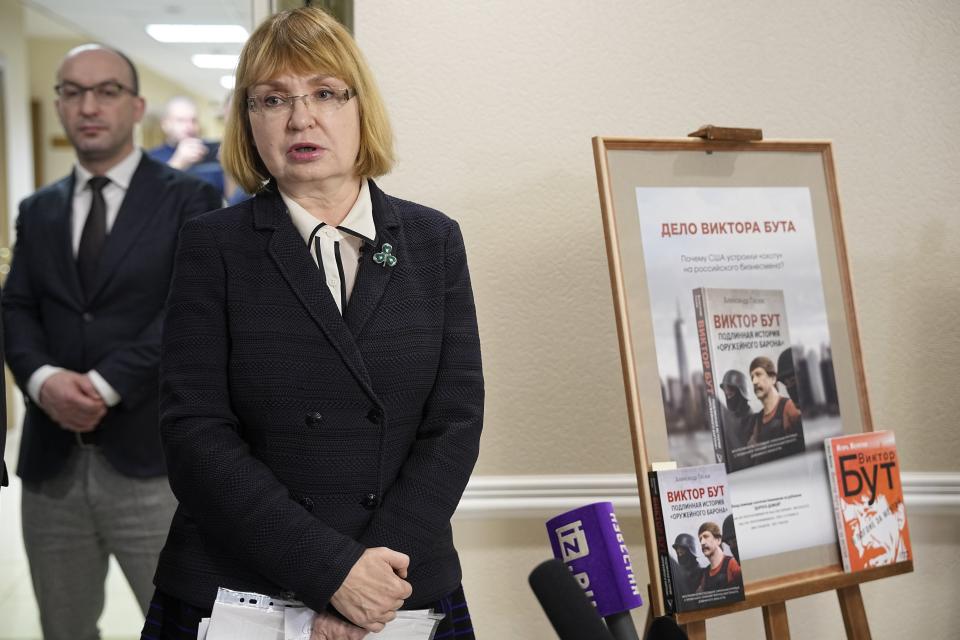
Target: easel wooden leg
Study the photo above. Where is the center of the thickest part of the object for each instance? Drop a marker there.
(775, 621)
(696, 630)
(854, 615)
(649, 620)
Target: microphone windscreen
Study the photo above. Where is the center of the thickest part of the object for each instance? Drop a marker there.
(570, 612)
(589, 540)
(665, 628)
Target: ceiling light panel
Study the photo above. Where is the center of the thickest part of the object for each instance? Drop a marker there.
(214, 60)
(197, 33)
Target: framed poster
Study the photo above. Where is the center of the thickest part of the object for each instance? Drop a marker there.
(738, 339)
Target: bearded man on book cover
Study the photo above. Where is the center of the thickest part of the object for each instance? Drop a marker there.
(779, 416)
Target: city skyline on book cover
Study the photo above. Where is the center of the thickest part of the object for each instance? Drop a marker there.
(871, 518)
(750, 379)
(699, 559)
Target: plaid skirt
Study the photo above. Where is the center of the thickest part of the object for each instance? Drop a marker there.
(170, 618)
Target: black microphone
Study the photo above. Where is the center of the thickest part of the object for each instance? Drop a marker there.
(570, 612)
(665, 628)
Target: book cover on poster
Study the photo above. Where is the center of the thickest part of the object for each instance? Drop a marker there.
(864, 472)
(744, 343)
(745, 240)
(696, 538)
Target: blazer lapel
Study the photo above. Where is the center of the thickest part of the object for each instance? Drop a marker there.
(372, 278)
(287, 249)
(61, 218)
(139, 205)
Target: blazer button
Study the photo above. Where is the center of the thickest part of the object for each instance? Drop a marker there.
(88, 317)
(306, 503)
(314, 419)
(375, 416)
(370, 501)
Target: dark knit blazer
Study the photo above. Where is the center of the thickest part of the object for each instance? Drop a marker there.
(114, 329)
(296, 437)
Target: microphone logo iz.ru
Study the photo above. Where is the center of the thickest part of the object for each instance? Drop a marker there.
(573, 541)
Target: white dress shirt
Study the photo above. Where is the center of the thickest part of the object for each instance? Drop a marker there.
(336, 250)
(113, 194)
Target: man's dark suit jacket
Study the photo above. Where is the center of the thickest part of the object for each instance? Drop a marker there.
(116, 331)
(297, 437)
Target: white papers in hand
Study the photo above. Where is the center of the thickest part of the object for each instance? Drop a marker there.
(408, 625)
(241, 615)
(252, 616)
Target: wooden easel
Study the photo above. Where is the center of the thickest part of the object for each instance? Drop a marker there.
(770, 595)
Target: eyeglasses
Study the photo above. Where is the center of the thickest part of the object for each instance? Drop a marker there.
(103, 92)
(324, 100)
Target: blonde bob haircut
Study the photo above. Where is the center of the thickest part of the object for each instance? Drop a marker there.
(303, 41)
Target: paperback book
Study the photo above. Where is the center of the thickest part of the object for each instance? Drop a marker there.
(745, 348)
(864, 472)
(696, 538)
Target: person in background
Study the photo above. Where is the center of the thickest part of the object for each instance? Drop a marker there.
(737, 416)
(787, 376)
(689, 570)
(729, 535)
(183, 148)
(83, 314)
(321, 386)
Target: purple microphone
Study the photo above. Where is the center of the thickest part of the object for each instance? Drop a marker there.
(589, 541)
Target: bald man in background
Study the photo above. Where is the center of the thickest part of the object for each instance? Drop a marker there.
(183, 148)
(83, 311)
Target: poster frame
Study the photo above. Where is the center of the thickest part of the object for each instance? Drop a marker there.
(806, 580)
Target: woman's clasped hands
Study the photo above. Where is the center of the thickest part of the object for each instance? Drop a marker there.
(369, 597)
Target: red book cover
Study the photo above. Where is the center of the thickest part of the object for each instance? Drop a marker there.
(864, 472)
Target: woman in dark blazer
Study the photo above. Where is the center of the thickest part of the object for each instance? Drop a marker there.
(321, 387)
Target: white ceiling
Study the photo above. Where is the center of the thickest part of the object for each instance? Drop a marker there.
(122, 24)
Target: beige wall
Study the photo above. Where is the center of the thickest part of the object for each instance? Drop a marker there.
(494, 105)
(494, 110)
(45, 55)
(18, 165)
